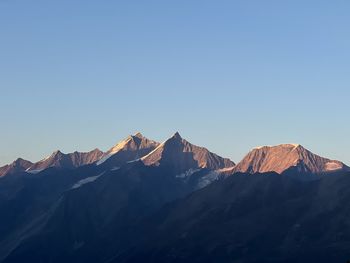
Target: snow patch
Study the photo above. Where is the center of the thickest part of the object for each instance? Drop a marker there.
(227, 169)
(294, 145)
(34, 171)
(47, 158)
(213, 176)
(104, 158)
(208, 179)
(86, 181)
(133, 161)
(260, 147)
(187, 173)
(120, 146)
(155, 150)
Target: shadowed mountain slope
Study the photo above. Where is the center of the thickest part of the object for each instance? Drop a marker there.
(258, 218)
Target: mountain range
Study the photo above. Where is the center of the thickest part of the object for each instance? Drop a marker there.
(175, 202)
(182, 156)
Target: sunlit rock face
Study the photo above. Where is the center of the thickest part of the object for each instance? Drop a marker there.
(283, 157)
(181, 155)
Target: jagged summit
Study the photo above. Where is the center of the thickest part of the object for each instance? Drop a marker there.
(19, 161)
(19, 165)
(177, 136)
(62, 160)
(131, 148)
(138, 135)
(283, 157)
(181, 155)
(56, 153)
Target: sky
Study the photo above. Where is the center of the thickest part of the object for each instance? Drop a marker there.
(228, 75)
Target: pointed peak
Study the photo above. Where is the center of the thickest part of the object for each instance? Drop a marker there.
(96, 150)
(138, 135)
(177, 136)
(181, 155)
(20, 162)
(56, 153)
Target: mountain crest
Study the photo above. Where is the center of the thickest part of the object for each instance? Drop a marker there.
(57, 153)
(61, 160)
(138, 135)
(19, 165)
(132, 148)
(284, 157)
(181, 156)
(177, 136)
(19, 161)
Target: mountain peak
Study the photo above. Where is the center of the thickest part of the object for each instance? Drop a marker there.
(138, 135)
(20, 160)
(56, 153)
(133, 147)
(177, 136)
(19, 165)
(181, 156)
(283, 157)
(68, 161)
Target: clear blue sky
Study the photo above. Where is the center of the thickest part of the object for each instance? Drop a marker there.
(228, 75)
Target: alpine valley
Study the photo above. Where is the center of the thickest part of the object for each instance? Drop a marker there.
(146, 201)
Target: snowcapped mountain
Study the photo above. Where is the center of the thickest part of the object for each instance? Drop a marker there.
(70, 160)
(17, 166)
(181, 156)
(132, 148)
(283, 157)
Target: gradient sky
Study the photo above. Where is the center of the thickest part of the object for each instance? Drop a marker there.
(228, 75)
